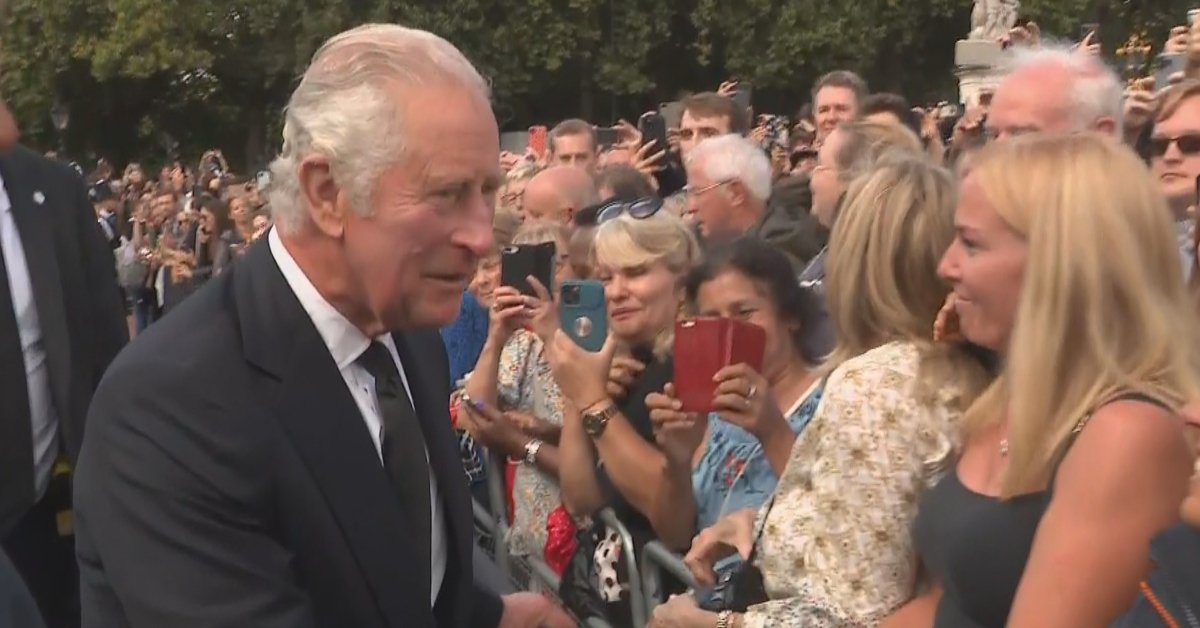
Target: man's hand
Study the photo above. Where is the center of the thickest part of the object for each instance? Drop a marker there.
(530, 610)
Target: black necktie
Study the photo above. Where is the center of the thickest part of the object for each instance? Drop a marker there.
(16, 432)
(403, 448)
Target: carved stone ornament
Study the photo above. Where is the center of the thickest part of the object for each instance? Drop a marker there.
(992, 19)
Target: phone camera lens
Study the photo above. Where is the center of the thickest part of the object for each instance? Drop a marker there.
(570, 295)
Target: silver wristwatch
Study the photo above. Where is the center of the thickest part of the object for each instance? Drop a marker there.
(531, 450)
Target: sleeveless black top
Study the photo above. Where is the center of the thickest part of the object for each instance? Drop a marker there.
(976, 545)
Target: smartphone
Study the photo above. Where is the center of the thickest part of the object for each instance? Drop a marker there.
(742, 95)
(1087, 28)
(262, 180)
(606, 136)
(1168, 65)
(672, 113)
(777, 131)
(654, 129)
(537, 140)
(1191, 16)
(518, 263)
(583, 313)
(703, 346)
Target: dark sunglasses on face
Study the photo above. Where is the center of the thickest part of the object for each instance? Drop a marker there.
(1188, 145)
(639, 209)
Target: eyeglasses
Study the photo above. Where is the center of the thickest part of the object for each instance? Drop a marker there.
(687, 189)
(639, 209)
(1188, 145)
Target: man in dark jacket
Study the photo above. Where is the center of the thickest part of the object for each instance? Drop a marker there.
(17, 607)
(729, 195)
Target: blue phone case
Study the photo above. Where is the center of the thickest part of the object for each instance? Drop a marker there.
(583, 313)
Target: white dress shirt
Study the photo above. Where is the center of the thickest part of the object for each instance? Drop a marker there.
(346, 343)
(37, 372)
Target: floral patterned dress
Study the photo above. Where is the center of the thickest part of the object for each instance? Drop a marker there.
(525, 384)
(836, 548)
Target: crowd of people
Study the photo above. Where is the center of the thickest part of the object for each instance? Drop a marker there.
(978, 402)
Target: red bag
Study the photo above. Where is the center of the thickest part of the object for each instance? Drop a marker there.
(560, 540)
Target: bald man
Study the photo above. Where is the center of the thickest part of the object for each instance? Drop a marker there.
(1056, 89)
(556, 193)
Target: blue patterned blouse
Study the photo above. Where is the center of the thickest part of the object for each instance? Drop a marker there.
(734, 473)
(464, 337)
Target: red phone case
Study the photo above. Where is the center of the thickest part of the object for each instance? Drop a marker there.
(704, 346)
(537, 140)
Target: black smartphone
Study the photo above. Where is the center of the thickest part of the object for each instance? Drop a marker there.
(1087, 28)
(606, 136)
(518, 263)
(742, 95)
(653, 128)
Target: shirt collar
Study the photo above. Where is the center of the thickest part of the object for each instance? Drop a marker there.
(345, 341)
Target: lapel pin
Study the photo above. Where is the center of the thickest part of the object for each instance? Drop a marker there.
(39, 198)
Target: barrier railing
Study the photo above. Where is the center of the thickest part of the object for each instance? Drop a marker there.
(637, 597)
(657, 558)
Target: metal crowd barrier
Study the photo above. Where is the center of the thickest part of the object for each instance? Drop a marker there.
(657, 558)
(645, 580)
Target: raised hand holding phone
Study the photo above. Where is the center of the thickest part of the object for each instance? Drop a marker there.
(678, 433)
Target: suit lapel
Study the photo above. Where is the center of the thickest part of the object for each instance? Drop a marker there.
(431, 400)
(327, 429)
(34, 223)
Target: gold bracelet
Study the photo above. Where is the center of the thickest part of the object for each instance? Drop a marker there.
(725, 619)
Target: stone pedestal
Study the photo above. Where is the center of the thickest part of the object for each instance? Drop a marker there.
(977, 67)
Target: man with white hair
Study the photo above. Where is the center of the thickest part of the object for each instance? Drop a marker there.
(278, 451)
(729, 185)
(1056, 89)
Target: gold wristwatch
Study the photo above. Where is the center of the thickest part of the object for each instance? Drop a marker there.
(595, 421)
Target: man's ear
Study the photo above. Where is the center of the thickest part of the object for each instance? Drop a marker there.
(1106, 126)
(321, 193)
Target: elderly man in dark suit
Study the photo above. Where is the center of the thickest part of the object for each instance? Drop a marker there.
(278, 451)
(61, 323)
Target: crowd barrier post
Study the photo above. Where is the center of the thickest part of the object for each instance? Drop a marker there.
(656, 558)
(637, 600)
(498, 495)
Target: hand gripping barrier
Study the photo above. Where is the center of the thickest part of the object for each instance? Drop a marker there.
(657, 558)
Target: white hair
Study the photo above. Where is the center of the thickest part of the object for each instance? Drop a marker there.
(734, 158)
(1095, 91)
(346, 109)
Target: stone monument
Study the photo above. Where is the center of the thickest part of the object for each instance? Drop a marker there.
(977, 57)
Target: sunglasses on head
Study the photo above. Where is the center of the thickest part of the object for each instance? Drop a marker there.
(1188, 145)
(639, 209)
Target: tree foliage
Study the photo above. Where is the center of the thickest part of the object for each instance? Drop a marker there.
(141, 76)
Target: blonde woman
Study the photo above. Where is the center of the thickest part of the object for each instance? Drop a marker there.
(833, 547)
(512, 376)
(1074, 458)
(609, 457)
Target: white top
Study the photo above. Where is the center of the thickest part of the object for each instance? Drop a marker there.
(346, 343)
(43, 416)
